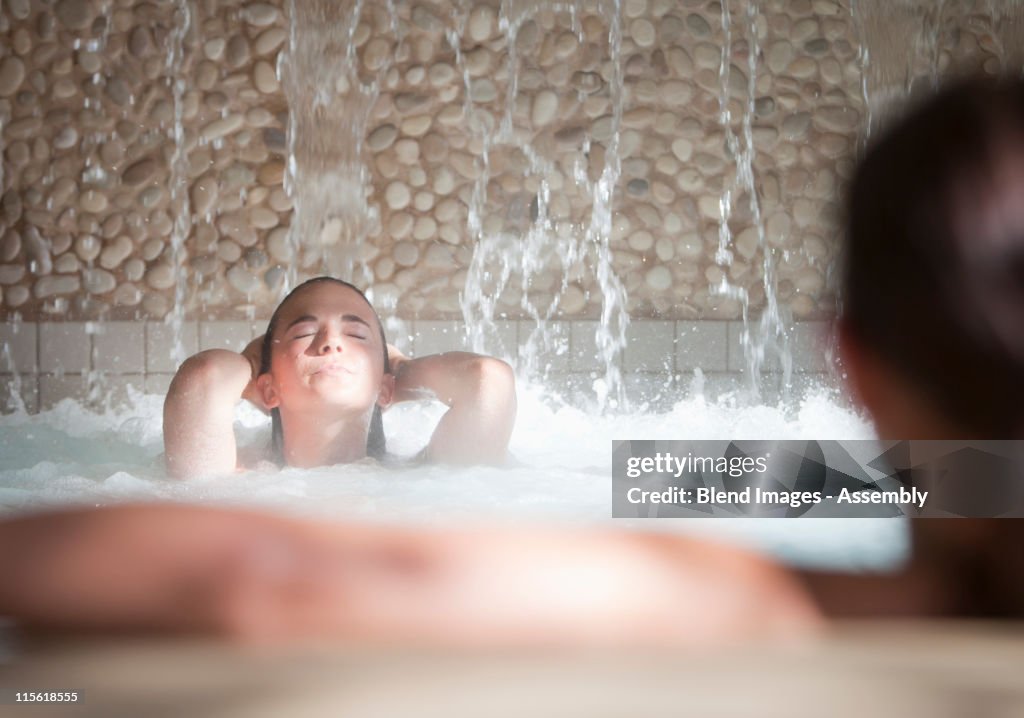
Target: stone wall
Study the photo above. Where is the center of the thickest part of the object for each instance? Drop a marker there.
(146, 143)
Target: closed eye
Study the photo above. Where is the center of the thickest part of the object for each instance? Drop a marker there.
(304, 331)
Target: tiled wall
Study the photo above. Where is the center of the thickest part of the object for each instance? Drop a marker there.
(96, 363)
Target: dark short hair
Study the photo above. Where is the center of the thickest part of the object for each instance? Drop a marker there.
(376, 444)
(934, 275)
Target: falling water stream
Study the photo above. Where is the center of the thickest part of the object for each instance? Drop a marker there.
(329, 103)
(768, 337)
(180, 205)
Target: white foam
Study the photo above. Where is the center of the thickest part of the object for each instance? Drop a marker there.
(73, 456)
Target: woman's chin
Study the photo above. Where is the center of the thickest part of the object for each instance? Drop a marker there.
(328, 396)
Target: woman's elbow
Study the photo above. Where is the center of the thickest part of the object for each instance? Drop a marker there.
(200, 369)
(495, 379)
(212, 374)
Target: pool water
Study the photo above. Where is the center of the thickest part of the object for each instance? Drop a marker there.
(70, 455)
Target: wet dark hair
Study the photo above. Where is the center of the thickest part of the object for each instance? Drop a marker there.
(376, 445)
(934, 277)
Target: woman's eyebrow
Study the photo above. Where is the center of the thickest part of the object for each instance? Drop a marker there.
(299, 320)
(354, 318)
(344, 317)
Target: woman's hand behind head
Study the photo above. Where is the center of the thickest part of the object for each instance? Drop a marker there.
(253, 353)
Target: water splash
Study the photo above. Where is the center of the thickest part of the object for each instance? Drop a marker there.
(15, 400)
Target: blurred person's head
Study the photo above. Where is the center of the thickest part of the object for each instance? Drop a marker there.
(932, 328)
(325, 356)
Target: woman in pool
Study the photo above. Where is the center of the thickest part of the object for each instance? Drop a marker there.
(324, 372)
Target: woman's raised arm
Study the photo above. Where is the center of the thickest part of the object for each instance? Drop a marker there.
(480, 392)
(199, 410)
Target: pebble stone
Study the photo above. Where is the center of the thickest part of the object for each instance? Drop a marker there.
(279, 201)
(382, 137)
(98, 281)
(11, 273)
(400, 225)
(416, 126)
(260, 14)
(20, 9)
(682, 149)
(139, 173)
(795, 125)
(643, 33)
(126, 295)
(160, 276)
(269, 40)
(376, 53)
(405, 254)
(545, 108)
(407, 151)
(482, 90)
(223, 126)
(279, 246)
(10, 245)
(93, 201)
(658, 278)
(424, 228)
(384, 268)
(12, 73)
(204, 194)
(16, 296)
(74, 14)
(265, 78)
(779, 55)
(690, 246)
(271, 174)
(54, 285)
(482, 23)
(698, 25)
(397, 195)
(213, 49)
(66, 138)
(238, 52)
(155, 304)
(440, 74)
(87, 247)
(242, 279)
(115, 252)
(677, 93)
(134, 269)
(151, 249)
(263, 218)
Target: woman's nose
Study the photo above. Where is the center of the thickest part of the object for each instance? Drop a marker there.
(330, 340)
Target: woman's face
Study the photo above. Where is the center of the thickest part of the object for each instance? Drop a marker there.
(326, 353)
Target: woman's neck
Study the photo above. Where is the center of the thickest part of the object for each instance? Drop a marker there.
(316, 440)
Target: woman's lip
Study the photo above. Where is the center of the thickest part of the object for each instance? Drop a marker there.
(332, 369)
